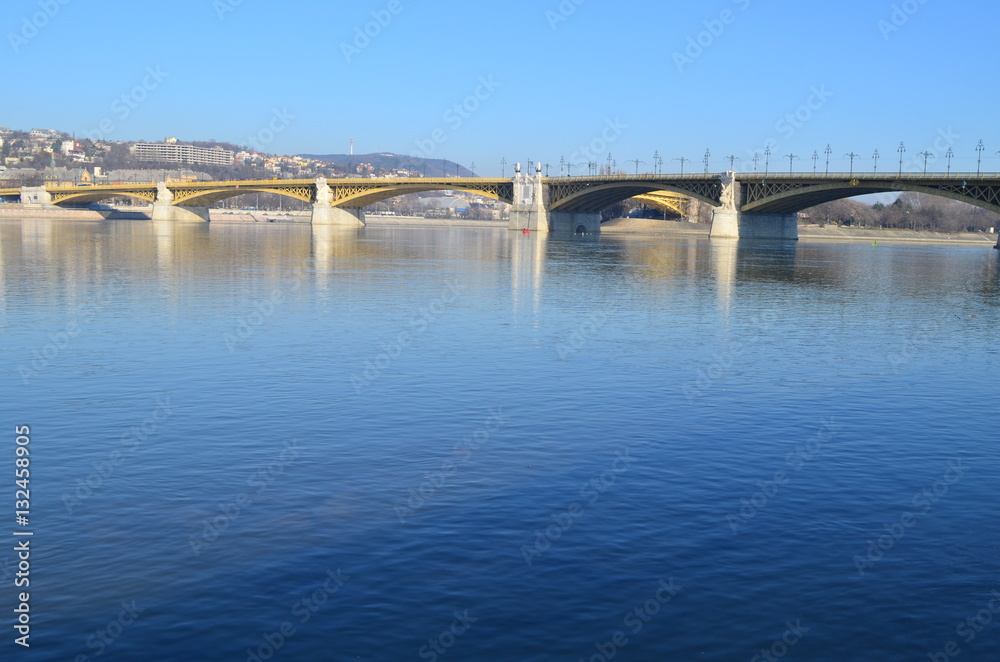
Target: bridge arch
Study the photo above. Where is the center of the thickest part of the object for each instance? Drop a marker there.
(89, 197)
(786, 197)
(588, 197)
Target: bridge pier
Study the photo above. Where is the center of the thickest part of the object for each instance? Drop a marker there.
(528, 210)
(324, 213)
(571, 222)
(164, 208)
(36, 196)
(731, 223)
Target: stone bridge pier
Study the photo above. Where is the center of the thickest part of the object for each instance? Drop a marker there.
(164, 208)
(729, 222)
(530, 209)
(324, 213)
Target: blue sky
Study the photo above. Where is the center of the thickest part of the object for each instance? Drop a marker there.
(540, 80)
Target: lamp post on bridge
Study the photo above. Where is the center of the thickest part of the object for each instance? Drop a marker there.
(546, 169)
(827, 152)
(815, 158)
(657, 162)
(950, 153)
(707, 155)
(609, 163)
(767, 160)
(875, 156)
(683, 160)
(902, 150)
(756, 158)
(636, 162)
(979, 161)
(791, 158)
(732, 161)
(852, 156)
(926, 155)
(503, 166)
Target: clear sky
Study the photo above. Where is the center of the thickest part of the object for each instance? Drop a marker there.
(574, 79)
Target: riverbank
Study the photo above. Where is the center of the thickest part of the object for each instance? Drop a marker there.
(806, 232)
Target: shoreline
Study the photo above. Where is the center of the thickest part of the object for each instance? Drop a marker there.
(617, 226)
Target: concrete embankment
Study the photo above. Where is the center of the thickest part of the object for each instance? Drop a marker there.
(806, 232)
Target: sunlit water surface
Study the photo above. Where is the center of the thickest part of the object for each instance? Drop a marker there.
(281, 442)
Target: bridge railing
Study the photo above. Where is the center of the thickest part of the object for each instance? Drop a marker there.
(960, 176)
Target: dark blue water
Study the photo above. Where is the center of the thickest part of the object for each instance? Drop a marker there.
(265, 442)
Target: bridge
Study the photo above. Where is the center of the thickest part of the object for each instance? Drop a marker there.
(746, 205)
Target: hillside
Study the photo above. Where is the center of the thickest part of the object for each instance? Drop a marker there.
(389, 161)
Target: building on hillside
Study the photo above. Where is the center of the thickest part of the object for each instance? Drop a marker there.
(186, 154)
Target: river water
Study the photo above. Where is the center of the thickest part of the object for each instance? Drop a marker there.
(283, 442)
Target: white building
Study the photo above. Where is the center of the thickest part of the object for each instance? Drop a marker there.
(187, 154)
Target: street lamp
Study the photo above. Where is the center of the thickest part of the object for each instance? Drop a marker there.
(609, 163)
(636, 162)
(926, 155)
(767, 159)
(705, 160)
(683, 160)
(815, 158)
(732, 161)
(948, 156)
(656, 162)
(979, 161)
(503, 166)
(852, 156)
(546, 169)
(875, 156)
(756, 158)
(562, 165)
(901, 149)
(827, 152)
(791, 158)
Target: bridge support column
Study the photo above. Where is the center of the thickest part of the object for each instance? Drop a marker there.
(324, 213)
(164, 208)
(36, 196)
(566, 222)
(729, 222)
(529, 210)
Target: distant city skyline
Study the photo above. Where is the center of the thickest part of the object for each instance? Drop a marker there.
(572, 80)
